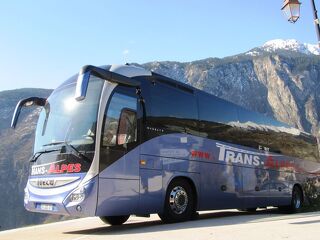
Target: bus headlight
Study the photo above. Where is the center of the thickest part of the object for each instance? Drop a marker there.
(26, 196)
(78, 195)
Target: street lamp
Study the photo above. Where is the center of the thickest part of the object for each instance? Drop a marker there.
(291, 9)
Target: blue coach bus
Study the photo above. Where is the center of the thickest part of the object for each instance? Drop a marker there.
(114, 141)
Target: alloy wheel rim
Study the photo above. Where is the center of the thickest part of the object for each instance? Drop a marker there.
(178, 200)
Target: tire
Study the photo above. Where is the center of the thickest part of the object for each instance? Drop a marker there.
(250, 210)
(179, 202)
(296, 202)
(115, 220)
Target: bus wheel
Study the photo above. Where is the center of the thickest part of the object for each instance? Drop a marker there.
(179, 202)
(296, 201)
(115, 220)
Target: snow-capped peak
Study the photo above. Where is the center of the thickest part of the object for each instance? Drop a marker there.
(291, 45)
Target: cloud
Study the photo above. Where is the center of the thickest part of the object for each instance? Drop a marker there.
(126, 52)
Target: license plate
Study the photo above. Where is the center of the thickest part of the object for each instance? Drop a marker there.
(46, 207)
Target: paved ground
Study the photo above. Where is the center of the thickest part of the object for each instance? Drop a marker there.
(216, 225)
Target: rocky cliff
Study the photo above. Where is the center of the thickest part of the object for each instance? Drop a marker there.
(280, 83)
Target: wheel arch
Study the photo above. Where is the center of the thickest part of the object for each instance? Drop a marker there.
(192, 184)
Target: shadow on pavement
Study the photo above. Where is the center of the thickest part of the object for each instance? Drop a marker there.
(204, 220)
(306, 222)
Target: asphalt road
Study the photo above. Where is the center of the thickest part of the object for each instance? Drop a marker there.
(215, 225)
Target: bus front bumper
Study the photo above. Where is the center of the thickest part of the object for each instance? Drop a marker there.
(73, 199)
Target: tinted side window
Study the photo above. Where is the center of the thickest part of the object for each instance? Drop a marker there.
(254, 131)
(257, 130)
(217, 118)
(171, 102)
(117, 104)
(169, 110)
(216, 110)
(119, 133)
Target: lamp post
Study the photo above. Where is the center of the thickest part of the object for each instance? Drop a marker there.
(291, 8)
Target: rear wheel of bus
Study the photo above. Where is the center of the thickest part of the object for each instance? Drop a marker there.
(296, 201)
(115, 220)
(179, 202)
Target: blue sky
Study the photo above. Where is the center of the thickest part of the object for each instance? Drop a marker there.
(44, 42)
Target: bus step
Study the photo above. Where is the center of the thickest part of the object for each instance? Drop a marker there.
(143, 215)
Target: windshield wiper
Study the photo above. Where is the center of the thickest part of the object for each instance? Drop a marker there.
(83, 156)
(70, 146)
(38, 154)
(53, 143)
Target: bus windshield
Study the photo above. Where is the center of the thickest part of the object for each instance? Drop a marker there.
(63, 120)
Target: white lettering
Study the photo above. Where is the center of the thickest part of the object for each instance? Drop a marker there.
(239, 158)
(256, 161)
(222, 153)
(38, 170)
(248, 159)
(230, 156)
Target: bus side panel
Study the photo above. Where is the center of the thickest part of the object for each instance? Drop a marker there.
(117, 197)
(119, 186)
(151, 195)
(150, 184)
(166, 157)
(221, 185)
(280, 187)
(256, 187)
(307, 174)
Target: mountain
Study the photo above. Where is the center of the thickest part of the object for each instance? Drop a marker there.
(280, 79)
(279, 82)
(15, 150)
(286, 45)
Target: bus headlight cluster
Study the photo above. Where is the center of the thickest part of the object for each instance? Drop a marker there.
(78, 195)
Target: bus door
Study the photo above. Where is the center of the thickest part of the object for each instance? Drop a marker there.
(119, 155)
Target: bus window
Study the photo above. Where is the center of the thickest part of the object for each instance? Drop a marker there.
(118, 104)
(217, 118)
(127, 130)
(171, 110)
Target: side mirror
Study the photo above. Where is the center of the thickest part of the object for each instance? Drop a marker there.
(88, 70)
(127, 129)
(82, 85)
(28, 102)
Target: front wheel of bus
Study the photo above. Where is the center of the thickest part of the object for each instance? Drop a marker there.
(115, 220)
(179, 202)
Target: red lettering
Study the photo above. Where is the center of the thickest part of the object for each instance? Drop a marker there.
(51, 169)
(70, 168)
(64, 167)
(200, 154)
(77, 167)
(57, 170)
(193, 153)
(269, 162)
